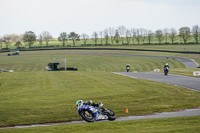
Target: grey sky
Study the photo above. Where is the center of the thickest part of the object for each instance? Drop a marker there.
(87, 16)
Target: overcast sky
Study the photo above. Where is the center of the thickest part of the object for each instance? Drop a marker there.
(87, 16)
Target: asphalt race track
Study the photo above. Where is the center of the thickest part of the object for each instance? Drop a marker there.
(187, 62)
(184, 81)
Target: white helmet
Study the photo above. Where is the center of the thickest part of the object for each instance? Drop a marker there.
(166, 64)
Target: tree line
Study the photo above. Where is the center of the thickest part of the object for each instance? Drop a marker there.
(108, 36)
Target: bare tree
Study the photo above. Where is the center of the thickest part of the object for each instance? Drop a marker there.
(195, 32)
(29, 37)
(63, 37)
(84, 37)
(128, 36)
(159, 36)
(1, 42)
(133, 34)
(143, 34)
(106, 36)
(199, 34)
(138, 35)
(150, 36)
(172, 34)
(111, 32)
(7, 40)
(19, 38)
(13, 37)
(95, 37)
(74, 37)
(101, 36)
(122, 31)
(117, 36)
(40, 39)
(184, 33)
(166, 34)
(47, 37)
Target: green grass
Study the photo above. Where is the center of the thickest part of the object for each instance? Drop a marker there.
(96, 60)
(164, 125)
(177, 47)
(185, 71)
(33, 95)
(84, 60)
(38, 97)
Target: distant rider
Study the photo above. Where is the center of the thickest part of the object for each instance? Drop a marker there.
(127, 68)
(81, 104)
(166, 66)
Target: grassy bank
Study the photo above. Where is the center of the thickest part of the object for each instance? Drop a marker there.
(86, 60)
(38, 97)
(34, 95)
(97, 60)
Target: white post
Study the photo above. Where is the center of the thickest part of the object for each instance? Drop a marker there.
(65, 64)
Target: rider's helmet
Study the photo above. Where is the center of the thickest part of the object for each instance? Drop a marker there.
(166, 64)
(79, 103)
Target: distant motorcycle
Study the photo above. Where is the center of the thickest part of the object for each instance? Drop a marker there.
(86, 112)
(166, 70)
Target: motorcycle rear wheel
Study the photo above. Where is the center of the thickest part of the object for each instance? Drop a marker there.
(87, 116)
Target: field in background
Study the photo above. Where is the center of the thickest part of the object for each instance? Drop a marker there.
(154, 45)
(84, 60)
(97, 60)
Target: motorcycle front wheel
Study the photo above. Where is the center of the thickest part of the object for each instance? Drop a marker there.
(87, 116)
(111, 115)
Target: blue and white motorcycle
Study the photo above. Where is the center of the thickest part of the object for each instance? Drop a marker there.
(91, 113)
(166, 70)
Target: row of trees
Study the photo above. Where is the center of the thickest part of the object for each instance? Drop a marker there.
(126, 36)
(28, 36)
(110, 35)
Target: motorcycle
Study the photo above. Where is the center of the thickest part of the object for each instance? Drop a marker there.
(86, 112)
(166, 70)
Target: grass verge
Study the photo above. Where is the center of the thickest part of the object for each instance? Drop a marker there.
(164, 125)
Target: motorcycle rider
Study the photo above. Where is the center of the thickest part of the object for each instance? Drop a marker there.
(127, 68)
(166, 65)
(98, 116)
(166, 68)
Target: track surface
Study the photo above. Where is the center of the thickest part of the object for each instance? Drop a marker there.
(184, 81)
(187, 62)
